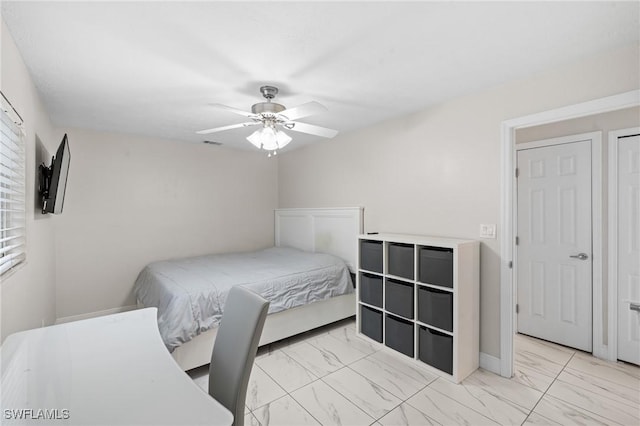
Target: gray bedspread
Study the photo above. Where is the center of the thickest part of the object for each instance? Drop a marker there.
(190, 293)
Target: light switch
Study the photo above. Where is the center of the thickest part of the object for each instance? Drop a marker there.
(487, 231)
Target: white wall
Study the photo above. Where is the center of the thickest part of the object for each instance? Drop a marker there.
(132, 200)
(28, 294)
(437, 172)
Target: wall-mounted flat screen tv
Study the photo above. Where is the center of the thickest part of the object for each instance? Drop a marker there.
(53, 179)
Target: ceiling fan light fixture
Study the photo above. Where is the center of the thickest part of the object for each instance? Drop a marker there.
(269, 139)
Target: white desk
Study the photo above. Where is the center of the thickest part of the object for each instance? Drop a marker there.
(112, 370)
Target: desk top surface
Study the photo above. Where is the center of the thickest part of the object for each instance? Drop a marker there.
(111, 370)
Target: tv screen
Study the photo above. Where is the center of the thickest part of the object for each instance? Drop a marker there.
(53, 198)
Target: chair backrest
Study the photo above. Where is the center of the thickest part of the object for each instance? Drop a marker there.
(235, 349)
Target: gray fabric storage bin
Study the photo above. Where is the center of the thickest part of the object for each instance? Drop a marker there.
(371, 323)
(435, 307)
(400, 260)
(399, 298)
(371, 289)
(436, 266)
(371, 255)
(436, 349)
(399, 335)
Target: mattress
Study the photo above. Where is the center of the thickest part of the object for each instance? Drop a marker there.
(190, 293)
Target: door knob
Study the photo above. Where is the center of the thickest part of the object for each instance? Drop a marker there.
(581, 256)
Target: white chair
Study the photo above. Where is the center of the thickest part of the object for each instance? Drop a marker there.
(235, 349)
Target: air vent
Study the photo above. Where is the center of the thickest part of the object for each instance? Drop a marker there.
(212, 143)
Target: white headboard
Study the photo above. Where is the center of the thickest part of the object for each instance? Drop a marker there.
(328, 230)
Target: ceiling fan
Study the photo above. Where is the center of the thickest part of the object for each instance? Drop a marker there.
(271, 117)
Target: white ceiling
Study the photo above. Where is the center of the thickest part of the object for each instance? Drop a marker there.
(153, 68)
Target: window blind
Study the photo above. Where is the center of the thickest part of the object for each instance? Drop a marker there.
(12, 194)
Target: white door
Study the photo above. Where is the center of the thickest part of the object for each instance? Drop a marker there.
(554, 275)
(628, 249)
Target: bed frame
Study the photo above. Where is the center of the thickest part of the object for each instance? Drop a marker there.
(329, 230)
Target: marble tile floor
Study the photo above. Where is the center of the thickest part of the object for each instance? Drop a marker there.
(332, 377)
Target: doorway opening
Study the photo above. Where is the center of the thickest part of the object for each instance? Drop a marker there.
(507, 293)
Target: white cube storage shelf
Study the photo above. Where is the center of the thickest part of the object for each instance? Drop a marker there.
(419, 296)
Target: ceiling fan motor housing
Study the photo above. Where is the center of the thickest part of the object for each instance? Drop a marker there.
(269, 92)
(267, 107)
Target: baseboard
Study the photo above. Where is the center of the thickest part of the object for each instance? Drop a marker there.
(490, 363)
(96, 314)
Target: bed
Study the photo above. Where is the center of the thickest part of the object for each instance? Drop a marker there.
(306, 276)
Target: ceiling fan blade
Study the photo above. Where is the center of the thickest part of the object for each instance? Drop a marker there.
(234, 110)
(223, 128)
(304, 110)
(311, 129)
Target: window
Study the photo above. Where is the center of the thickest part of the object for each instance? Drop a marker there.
(12, 190)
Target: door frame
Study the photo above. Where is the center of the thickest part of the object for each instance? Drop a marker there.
(507, 183)
(612, 353)
(596, 222)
